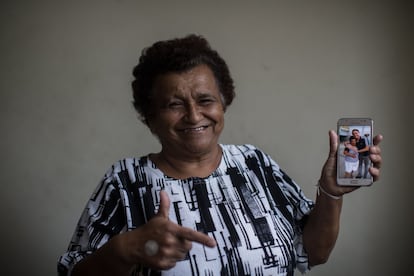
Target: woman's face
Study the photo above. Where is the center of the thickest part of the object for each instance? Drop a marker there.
(353, 142)
(188, 113)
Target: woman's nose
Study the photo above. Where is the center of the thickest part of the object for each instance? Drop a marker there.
(193, 113)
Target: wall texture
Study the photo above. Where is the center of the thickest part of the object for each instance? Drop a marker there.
(66, 114)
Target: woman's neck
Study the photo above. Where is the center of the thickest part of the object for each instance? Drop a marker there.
(189, 166)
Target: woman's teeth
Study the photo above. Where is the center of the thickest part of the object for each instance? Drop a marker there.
(194, 129)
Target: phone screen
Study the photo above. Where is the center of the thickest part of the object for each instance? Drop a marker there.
(355, 138)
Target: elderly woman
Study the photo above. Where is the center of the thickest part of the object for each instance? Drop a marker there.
(198, 207)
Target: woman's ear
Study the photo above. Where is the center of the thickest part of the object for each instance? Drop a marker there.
(149, 125)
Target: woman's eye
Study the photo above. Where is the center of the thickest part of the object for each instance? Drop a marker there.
(174, 104)
(206, 101)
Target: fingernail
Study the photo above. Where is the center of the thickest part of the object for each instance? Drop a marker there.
(212, 243)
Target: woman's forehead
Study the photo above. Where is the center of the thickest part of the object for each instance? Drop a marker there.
(199, 79)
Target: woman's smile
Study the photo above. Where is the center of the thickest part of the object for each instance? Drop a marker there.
(195, 129)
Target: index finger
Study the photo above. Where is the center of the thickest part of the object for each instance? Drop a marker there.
(195, 236)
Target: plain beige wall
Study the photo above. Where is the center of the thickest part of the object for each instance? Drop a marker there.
(66, 112)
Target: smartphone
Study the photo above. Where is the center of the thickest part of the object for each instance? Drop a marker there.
(355, 138)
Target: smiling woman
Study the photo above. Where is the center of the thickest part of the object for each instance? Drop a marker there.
(177, 56)
(198, 207)
(187, 118)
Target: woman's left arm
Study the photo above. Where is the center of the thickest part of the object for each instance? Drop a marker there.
(322, 227)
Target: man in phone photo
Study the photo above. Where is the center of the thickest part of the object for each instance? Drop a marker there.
(363, 150)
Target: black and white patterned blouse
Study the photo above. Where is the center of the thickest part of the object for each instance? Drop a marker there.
(253, 210)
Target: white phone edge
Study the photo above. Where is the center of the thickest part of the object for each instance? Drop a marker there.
(352, 123)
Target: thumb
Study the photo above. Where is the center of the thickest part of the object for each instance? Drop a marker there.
(333, 143)
(329, 169)
(164, 209)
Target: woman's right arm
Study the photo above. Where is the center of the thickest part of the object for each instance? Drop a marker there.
(123, 252)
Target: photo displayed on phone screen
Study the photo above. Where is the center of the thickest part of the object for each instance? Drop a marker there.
(355, 138)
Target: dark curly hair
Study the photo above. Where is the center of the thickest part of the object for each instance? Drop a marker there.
(177, 55)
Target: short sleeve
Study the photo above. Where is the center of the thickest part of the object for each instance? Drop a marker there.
(299, 207)
(102, 218)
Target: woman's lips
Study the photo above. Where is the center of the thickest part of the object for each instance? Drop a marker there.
(194, 129)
